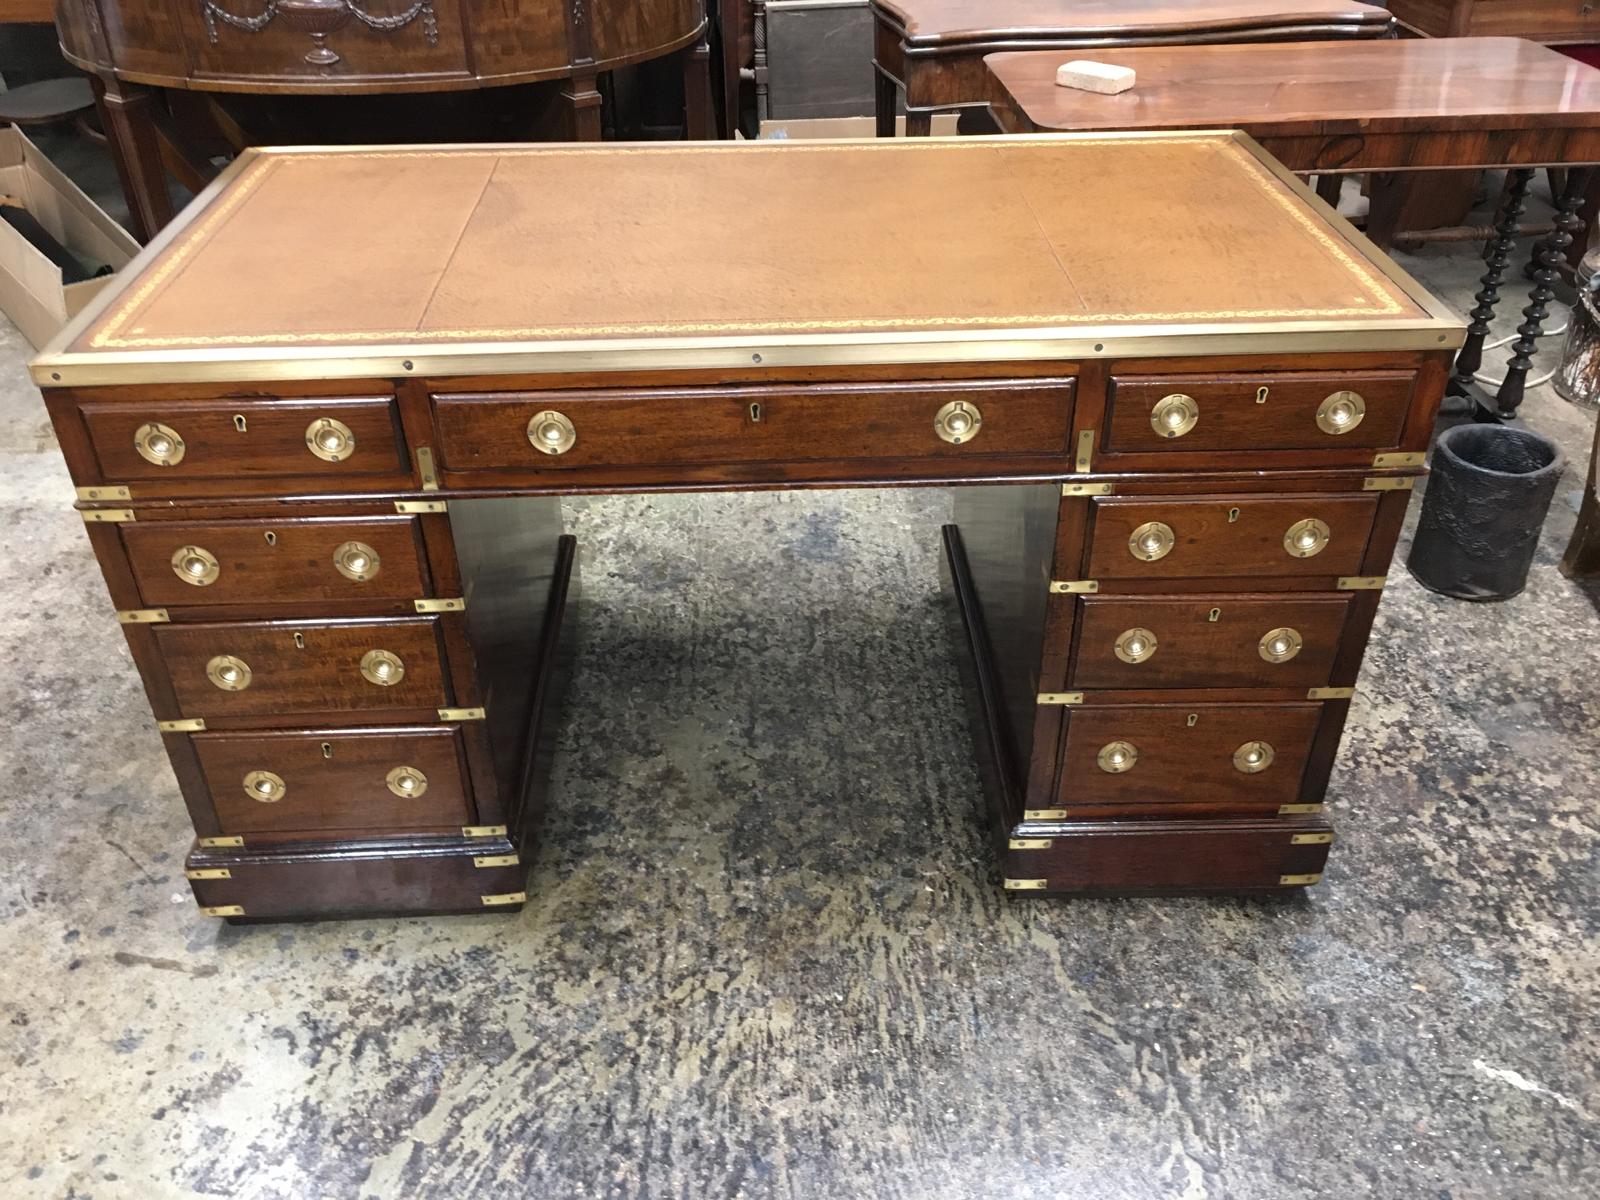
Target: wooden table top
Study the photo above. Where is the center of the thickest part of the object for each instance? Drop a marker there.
(348, 262)
(956, 21)
(1426, 84)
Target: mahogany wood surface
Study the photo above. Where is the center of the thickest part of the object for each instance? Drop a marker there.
(1553, 22)
(1403, 104)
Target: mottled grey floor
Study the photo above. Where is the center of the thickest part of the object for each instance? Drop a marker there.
(764, 953)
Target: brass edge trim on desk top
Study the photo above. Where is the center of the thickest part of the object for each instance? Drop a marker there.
(1441, 329)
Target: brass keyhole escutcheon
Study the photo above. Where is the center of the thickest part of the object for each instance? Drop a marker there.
(1192, 720)
(327, 749)
(1261, 395)
(1340, 412)
(1307, 538)
(1280, 645)
(1152, 540)
(1233, 515)
(1117, 757)
(196, 565)
(957, 422)
(272, 538)
(1254, 757)
(550, 432)
(330, 440)
(265, 786)
(299, 641)
(1214, 615)
(228, 673)
(406, 782)
(1174, 415)
(382, 668)
(356, 560)
(755, 414)
(239, 422)
(159, 444)
(1135, 645)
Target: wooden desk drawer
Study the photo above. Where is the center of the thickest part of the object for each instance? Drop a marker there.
(1151, 754)
(176, 440)
(1273, 411)
(256, 562)
(1207, 641)
(1219, 536)
(304, 666)
(675, 426)
(303, 781)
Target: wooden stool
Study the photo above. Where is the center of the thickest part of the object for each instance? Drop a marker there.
(46, 102)
(934, 49)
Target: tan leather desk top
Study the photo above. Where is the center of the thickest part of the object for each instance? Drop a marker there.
(962, 20)
(325, 263)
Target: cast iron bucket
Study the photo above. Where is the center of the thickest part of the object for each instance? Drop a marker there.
(1487, 498)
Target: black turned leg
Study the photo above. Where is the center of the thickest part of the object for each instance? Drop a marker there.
(1547, 258)
(1470, 358)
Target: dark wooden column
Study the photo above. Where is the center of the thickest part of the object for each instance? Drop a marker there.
(127, 113)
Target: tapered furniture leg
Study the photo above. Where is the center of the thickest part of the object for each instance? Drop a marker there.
(125, 114)
(580, 97)
(1582, 558)
(697, 125)
(1547, 259)
(1328, 188)
(885, 93)
(1470, 358)
(919, 122)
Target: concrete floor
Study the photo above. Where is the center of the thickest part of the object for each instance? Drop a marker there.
(765, 954)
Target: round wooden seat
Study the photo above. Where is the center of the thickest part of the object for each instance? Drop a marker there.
(47, 101)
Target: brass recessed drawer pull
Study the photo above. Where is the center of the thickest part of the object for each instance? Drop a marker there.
(958, 421)
(1254, 757)
(265, 787)
(330, 439)
(356, 561)
(1117, 757)
(1135, 645)
(406, 782)
(1307, 538)
(382, 668)
(159, 444)
(229, 673)
(1152, 540)
(195, 565)
(1175, 415)
(1280, 645)
(1341, 412)
(551, 432)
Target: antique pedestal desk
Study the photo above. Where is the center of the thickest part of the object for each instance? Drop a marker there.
(320, 429)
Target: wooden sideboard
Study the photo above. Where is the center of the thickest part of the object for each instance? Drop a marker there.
(326, 509)
(1553, 22)
(356, 47)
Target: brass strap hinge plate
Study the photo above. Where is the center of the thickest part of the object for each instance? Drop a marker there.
(143, 616)
(107, 516)
(1311, 839)
(415, 507)
(451, 604)
(1362, 583)
(1086, 489)
(182, 725)
(1286, 810)
(106, 491)
(1085, 457)
(460, 714)
(1388, 483)
(1028, 844)
(1330, 693)
(210, 873)
(1299, 880)
(1404, 458)
(496, 860)
(504, 898)
(430, 480)
(1060, 697)
(1025, 885)
(1074, 587)
(218, 843)
(1044, 814)
(483, 831)
(223, 910)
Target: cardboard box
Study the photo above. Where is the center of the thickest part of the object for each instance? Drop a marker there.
(31, 291)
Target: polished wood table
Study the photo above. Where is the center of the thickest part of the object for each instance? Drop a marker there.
(932, 50)
(319, 465)
(1382, 106)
